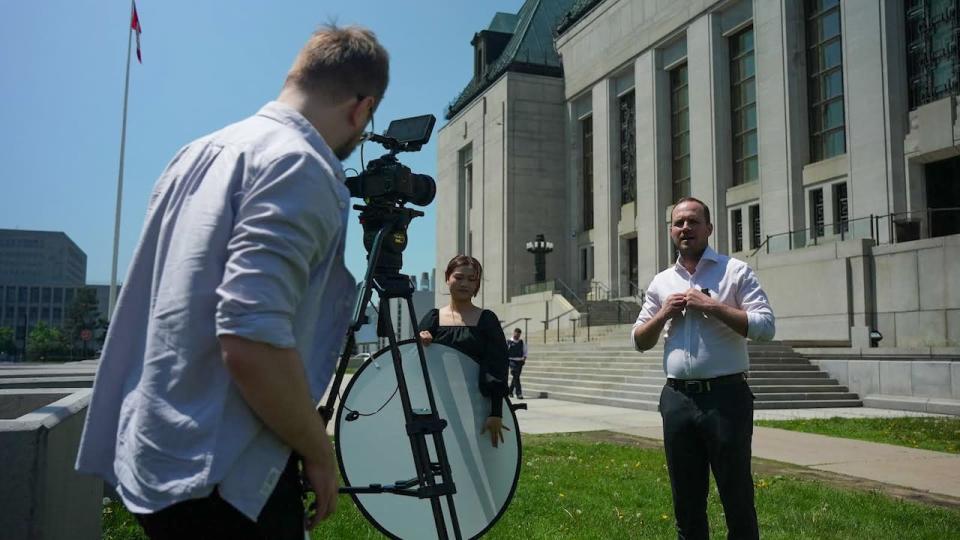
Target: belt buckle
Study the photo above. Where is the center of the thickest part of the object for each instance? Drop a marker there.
(690, 385)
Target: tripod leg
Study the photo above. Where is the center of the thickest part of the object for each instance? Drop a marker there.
(418, 443)
(446, 473)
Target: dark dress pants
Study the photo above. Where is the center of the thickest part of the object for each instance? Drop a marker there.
(515, 369)
(707, 431)
(211, 517)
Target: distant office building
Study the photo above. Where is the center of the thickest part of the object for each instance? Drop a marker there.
(40, 272)
(41, 258)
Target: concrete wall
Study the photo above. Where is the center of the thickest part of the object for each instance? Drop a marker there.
(836, 292)
(42, 497)
(515, 130)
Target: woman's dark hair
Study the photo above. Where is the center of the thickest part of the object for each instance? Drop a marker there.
(465, 260)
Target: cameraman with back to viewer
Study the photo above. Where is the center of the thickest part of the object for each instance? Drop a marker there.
(233, 313)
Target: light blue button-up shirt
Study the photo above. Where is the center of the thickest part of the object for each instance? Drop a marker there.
(696, 345)
(244, 236)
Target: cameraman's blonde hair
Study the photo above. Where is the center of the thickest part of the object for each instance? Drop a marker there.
(341, 63)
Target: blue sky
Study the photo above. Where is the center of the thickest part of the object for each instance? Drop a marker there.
(205, 64)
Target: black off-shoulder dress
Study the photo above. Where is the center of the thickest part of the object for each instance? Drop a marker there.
(484, 343)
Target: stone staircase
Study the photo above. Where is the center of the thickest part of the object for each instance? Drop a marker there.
(609, 371)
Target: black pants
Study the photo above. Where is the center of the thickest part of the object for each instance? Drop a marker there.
(704, 431)
(212, 517)
(515, 369)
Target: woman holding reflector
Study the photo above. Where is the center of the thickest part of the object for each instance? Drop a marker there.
(475, 332)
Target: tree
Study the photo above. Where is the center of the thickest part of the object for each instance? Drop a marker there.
(82, 314)
(44, 341)
(7, 343)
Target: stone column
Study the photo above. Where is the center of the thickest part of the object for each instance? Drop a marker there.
(605, 215)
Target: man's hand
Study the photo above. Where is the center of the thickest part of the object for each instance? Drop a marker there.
(494, 425)
(699, 301)
(426, 338)
(674, 305)
(322, 476)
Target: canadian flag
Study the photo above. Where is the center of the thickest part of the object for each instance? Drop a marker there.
(135, 25)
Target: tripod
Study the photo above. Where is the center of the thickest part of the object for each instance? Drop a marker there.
(385, 238)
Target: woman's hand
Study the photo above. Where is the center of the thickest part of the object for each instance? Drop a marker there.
(494, 425)
(426, 338)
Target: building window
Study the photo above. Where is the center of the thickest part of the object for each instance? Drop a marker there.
(825, 88)
(47, 295)
(465, 201)
(933, 39)
(754, 226)
(68, 296)
(816, 212)
(628, 148)
(22, 295)
(57, 317)
(58, 295)
(586, 143)
(34, 295)
(736, 219)
(841, 214)
(584, 274)
(680, 132)
(743, 104)
(11, 294)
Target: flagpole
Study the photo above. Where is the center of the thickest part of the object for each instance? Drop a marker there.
(123, 142)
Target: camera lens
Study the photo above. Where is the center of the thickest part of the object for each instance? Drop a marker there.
(423, 189)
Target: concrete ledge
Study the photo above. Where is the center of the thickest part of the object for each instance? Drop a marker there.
(882, 353)
(41, 494)
(916, 404)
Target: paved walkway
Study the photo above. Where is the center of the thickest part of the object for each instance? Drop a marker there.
(924, 470)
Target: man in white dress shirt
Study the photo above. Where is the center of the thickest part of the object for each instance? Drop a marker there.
(706, 305)
(233, 313)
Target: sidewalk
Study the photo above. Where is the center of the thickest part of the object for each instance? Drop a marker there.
(924, 470)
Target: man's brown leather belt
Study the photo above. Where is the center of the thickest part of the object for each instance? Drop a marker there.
(698, 386)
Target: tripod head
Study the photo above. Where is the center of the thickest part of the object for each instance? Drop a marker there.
(389, 224)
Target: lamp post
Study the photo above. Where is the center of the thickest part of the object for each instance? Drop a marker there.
(540, 247)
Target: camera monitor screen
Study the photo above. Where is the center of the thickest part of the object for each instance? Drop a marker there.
(374, 448)
(413, 130)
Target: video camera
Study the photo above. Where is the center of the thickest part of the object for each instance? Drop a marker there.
(386, 181)
(386, 185)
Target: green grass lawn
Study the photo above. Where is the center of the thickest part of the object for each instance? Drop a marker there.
(593, 486)
(931, 433)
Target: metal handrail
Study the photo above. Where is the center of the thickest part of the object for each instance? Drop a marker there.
(546, 324)
(569, 290)
(511, 323)
(599, 285)
(842, 229)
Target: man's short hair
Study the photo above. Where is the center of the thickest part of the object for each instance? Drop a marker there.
(706, 209)
(341, 63)
(517, 331)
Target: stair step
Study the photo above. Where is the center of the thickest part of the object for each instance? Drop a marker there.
(539, 382)
(797, 396)
(808, 404)
(761, 389)
(595, 400)
(576, 388)
(767, 374)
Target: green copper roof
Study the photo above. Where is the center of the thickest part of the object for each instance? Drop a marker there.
(504, 22)
(577, 11)
(530, 50)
